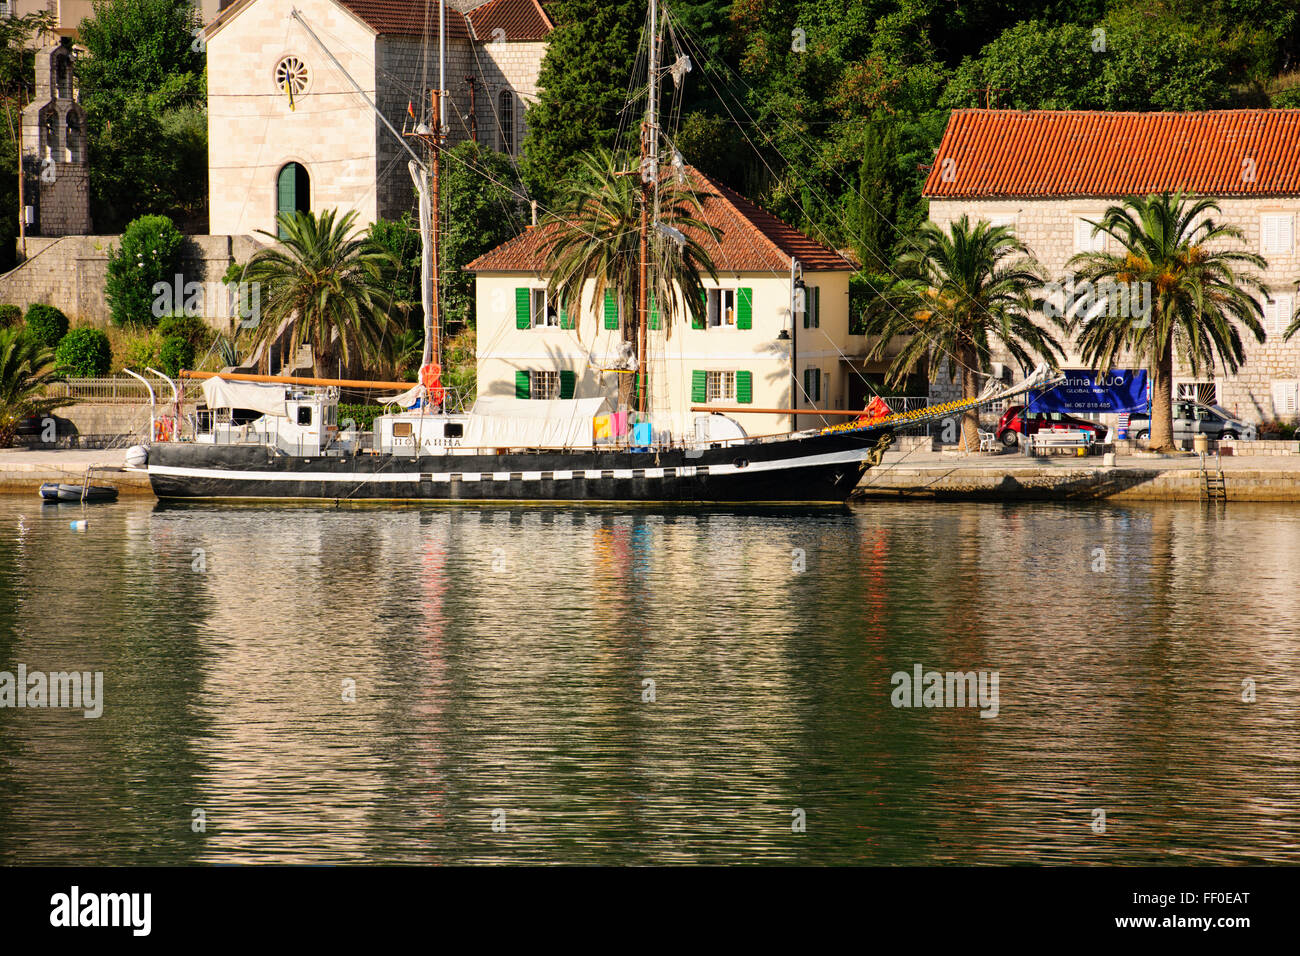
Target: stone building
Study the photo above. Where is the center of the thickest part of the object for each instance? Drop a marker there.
(56, 170)
(1045, 173)
(288, 130)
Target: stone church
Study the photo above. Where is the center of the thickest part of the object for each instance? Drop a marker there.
(288, 130)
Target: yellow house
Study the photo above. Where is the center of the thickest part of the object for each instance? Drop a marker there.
(741, 350)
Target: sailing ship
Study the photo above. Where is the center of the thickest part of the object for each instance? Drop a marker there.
(272, 437)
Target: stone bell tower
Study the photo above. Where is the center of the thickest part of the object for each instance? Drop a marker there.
(55, 161)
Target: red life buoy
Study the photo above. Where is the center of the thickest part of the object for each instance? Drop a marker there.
(162, 428)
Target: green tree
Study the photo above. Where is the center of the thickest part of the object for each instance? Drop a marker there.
(594, 237)
(1201, 287)
(482, 208)
(328, 282)
(961, 292)
(149, 254)
(26, 369)
(143, 89)
(584, 82)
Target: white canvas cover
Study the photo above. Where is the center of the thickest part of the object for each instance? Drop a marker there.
(533, 423)
(404, 399)
(257, 396)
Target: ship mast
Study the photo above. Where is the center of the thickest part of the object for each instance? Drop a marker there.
(649, 184)
(426, 179)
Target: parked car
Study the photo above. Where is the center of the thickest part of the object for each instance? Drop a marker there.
(1012, 425)
(1193, 418)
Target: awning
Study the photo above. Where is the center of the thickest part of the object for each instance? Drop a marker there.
(254, 396)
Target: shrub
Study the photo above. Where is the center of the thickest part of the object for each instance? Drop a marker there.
(176, 353)
(10, 315)
(189, 327)
(84, 352)
(46, 325)
(140, 350)
(150, 253)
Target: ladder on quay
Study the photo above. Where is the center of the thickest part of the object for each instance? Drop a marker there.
(1213, 483)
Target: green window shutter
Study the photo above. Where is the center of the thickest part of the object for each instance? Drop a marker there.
(566, 320)
(745, 309)
(611, 310)
(699, 386)
(697, 321)
(523, 309)
(522, 385)
(807, 307)
(745, 388)
(568, 380)
(817, 307)
(654, 313)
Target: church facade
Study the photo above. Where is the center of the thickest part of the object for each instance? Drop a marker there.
(288, 130)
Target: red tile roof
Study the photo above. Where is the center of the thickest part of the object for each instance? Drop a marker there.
(751, 239)
(412, 18)
(1007, 153)
(519, 20)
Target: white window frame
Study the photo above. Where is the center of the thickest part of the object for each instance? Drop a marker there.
(1276, 232)
(1278, 309)
(550, 318)
(543, 384)
(714, 309)
(720, 387)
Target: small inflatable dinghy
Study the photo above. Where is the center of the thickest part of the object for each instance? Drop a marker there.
(56, 491)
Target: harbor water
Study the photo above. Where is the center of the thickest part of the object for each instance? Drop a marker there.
(576, 685)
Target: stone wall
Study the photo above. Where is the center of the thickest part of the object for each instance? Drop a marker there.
(1047, 227)
(69, 272)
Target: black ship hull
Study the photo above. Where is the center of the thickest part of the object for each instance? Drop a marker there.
(809, 469)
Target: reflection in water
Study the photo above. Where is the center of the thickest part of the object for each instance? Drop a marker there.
(652, 687)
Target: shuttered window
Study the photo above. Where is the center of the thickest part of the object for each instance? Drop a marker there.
(1277, 313)
(1286, 398)
(1084, 240)
(1275, 232)
(745, 387)
(523, 383)
(568, 382)
(523, 308)
(745, 308)
(812, 384)
(611, 309)
(699, 386)
(699, 318)
(812, 307)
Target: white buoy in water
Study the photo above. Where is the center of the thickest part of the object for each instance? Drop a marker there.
(78, 525)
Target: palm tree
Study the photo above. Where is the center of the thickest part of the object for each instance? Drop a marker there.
(594, 236)
(1200, 290)
(329, 282)
(958, 293)
(25, 370)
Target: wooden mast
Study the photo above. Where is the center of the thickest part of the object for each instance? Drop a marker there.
(649, 183)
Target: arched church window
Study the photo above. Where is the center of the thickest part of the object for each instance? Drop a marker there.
(506, 120)
(292, 192)
(75, 141)
(52, 137)
(63, 79)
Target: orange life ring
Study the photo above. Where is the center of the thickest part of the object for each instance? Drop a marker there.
(431, 375)
(162, 428)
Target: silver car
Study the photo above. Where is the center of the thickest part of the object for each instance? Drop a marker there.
(1193, 418)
